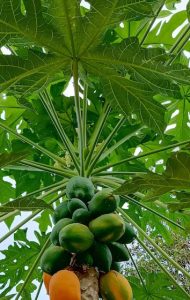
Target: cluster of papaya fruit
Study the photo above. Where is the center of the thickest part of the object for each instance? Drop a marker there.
(88, 233)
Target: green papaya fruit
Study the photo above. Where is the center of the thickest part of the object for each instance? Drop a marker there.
(54, 258)
(119, 252)
(76, 237)
(75, 204)
(128, 236)
(61, 212)
(54, 236)
(103, 202)
(80, 187)
(107, 228)
(84, 258)
(102, 256)
(116, 266)
(81, 215)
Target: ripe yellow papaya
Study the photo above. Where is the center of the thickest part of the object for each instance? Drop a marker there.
(114, 286)
(64, 285)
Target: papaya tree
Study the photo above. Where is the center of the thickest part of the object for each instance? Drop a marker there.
(97, 91)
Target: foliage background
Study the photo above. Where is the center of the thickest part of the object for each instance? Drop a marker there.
(26, 114)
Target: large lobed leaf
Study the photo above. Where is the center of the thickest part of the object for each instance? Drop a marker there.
(175, 178)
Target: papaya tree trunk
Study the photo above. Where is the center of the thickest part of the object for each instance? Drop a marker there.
(89, 284)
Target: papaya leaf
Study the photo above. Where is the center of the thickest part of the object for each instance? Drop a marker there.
(11, 158)
(15, 263)
(158, 286)
(29, 23)
(178, 113)
(25, 204)
(176, 177)
(28, 75)
(103, 15)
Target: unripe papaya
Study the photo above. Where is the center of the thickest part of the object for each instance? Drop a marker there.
(75, 204)
(46, 279)
(128, 236)
(64, 285)
(103, 202)
(114, 286)
(116, 266)
(81, 215)
(61, 212)
(54, 236)
(80, 187)
(76, 237)
(54, 259)
(119, 252)
(107, 228)
(102, 256)
(84, 258)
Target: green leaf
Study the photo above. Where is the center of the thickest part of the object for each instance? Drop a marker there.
(103, 15)
(28, 75)
(15, 262)
(25, 204)
(28, 22)
(158, 287)
(136, 99)
(179, 113)
(65, 18)
(11, 158)
(176, 177)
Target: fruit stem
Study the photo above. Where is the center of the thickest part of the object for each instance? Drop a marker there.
(97, 131)
(78, 115)
(50, 169)
(47, 102)
(105, 143)
(84, 114)
(39, 290)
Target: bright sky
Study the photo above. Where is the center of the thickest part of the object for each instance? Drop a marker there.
(33, 226)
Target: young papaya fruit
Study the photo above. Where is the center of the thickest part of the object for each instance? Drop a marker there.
(116, 266)
(107, 228)
(76, 237)
(64, 285)
(119, 252)
(114, 286)
(128, 236)
(46, 279)
(103, 202)
(75, 204)
(81, 215)
(84, 258)
(54, 259)
(102, 256)
(61, 212)
(54, 236)
(80, 187)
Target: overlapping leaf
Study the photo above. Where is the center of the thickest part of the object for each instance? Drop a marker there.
(176, 177)
(15, 262)
(102, 15)
(28, 75)
(27, 21)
